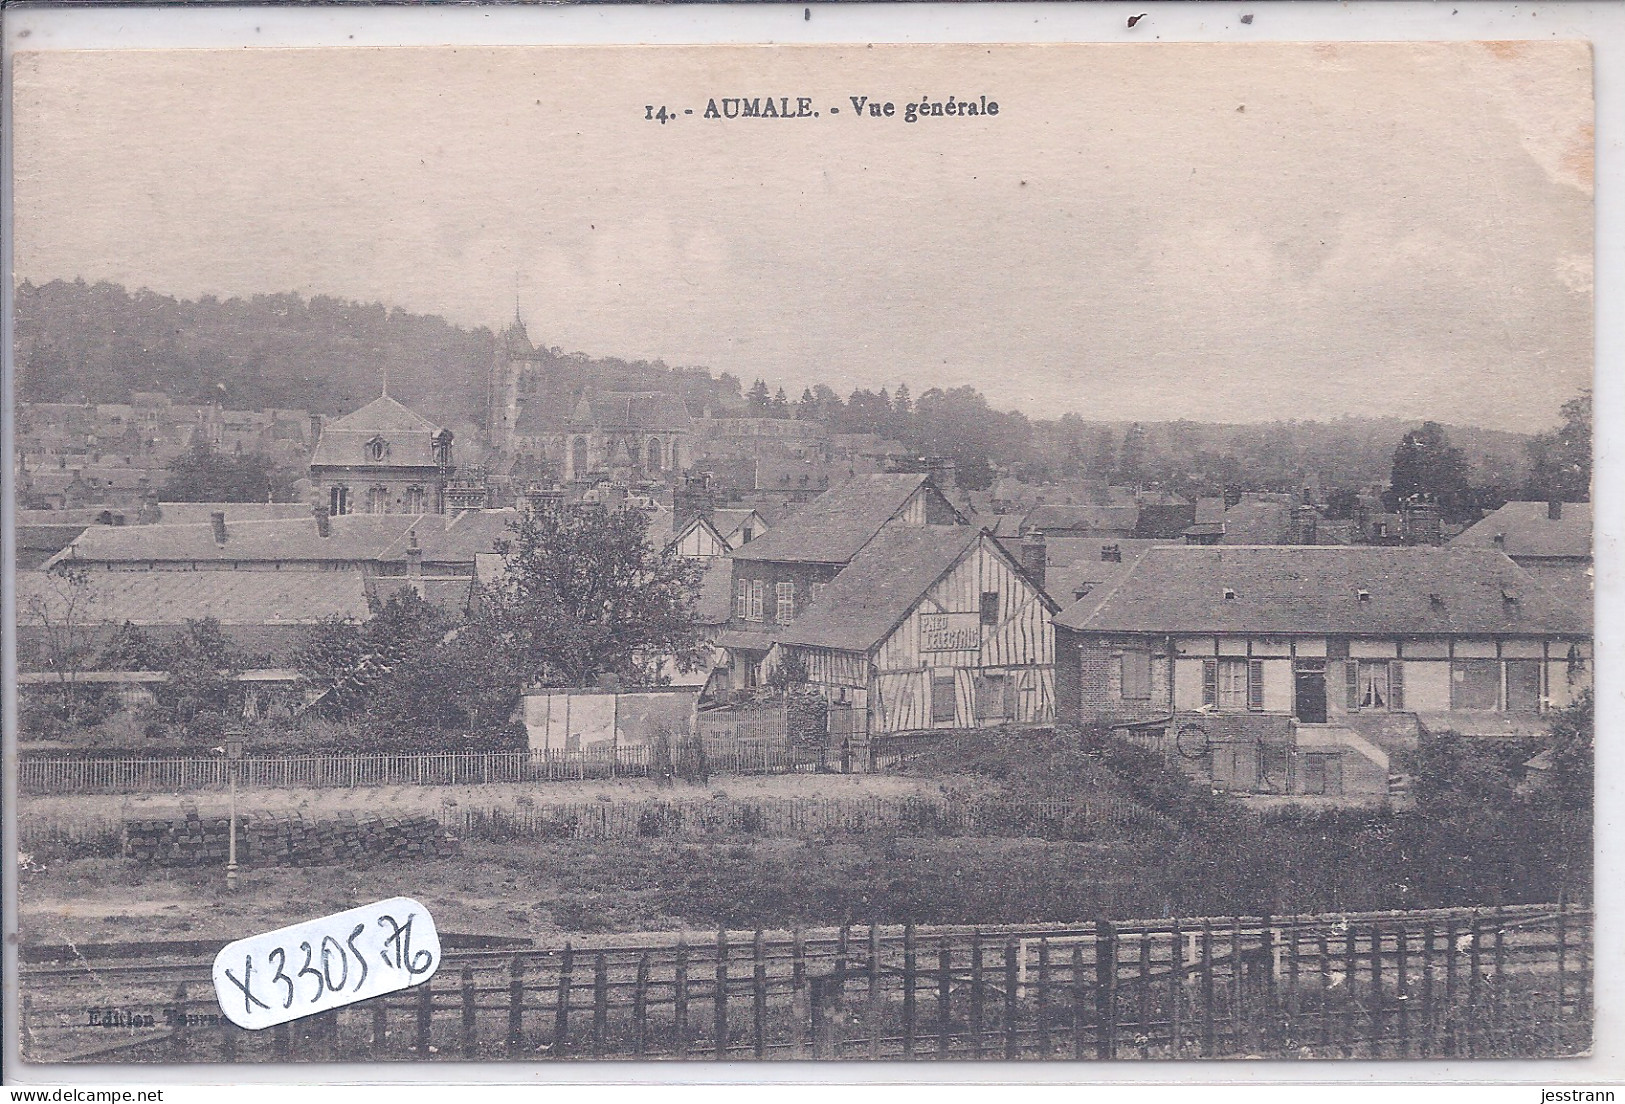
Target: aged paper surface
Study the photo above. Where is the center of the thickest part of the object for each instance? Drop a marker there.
(807, 552)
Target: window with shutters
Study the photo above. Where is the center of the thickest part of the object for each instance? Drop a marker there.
(1374, 684)
(784, 595)
(1136, 675)
(943, 699)
(742, 599)
(757, 590)
(1233, 695)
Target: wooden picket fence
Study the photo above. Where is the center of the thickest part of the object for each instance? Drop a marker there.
(145, 775)
(1454, 983)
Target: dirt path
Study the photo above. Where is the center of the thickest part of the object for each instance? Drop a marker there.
(420, 799)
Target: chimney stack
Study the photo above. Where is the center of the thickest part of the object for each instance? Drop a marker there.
(1111, 553)
(1305, 524)
(1554, 510)
(1422, 523)
(1034, 556)
(315, 428)
(218, 519)
(942, 472)
(323, 529)
(414, 559)
(693, 498)
(1500, 542)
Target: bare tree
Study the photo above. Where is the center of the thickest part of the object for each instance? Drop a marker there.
(66, 615)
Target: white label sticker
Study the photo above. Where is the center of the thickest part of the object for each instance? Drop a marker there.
(323, 964)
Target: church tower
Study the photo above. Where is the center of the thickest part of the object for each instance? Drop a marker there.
(512, 359)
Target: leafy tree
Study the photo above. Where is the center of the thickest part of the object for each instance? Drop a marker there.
(1104, 460)
(348, 661)
(1561, 459)
(203, 665)
(830, 409)
(131, 648)
(467, 684)
(1131, 460)
(205, 474)
(960, 424)
(1427, 464)
(790, 672)
(584, 595)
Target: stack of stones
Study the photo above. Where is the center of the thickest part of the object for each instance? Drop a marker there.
(285, 839)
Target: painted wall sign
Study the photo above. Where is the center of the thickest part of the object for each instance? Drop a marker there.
(950, 632)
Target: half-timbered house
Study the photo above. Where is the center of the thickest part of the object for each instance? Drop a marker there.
(777, 576)
(1293, 669)
(927, 627)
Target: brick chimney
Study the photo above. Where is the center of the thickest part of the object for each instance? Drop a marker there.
(1034, 556)
(315, 428)
(692, 498)
(1554, 510)
(1422, 525)
(218, 520)
(414, 559)
(323, 527)
(1500, 540)
(1305, 525)
(942, 472)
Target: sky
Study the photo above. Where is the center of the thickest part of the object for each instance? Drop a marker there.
(1220, 232)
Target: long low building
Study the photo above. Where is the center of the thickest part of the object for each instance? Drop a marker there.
(1294, 669)
(265, 614)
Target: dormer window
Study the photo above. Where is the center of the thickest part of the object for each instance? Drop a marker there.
(377, 449)
(1363, 595)
(1229, 594)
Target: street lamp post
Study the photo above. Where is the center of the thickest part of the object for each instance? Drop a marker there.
(234, 752)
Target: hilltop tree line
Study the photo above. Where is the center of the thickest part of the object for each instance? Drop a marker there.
(99, 342)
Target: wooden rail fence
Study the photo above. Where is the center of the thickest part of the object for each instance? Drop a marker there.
(1444, 983)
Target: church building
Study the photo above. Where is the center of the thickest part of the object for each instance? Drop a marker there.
(581, 432)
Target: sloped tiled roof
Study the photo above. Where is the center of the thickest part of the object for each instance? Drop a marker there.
(727, 522)
(1054, 516)
(1530, 532)
(631, 410)
(409, 435)
(1315, 589)
(353, 537)
(883, 582)
(1252, 522)
(184, 513)
(1073, 562)
(835, 525)
(230, 597)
